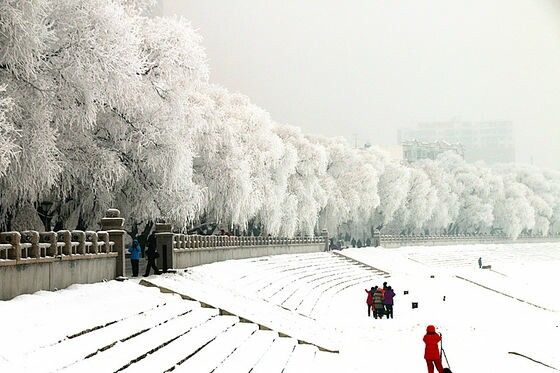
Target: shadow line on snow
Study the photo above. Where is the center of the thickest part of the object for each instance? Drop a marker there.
(504, 294)
(533, 360)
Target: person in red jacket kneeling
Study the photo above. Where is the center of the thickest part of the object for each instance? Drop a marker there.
(431, 353)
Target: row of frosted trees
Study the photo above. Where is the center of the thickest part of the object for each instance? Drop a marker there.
(102, 106)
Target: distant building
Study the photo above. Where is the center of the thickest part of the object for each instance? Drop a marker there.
(491, 142)
(394, 152)
(414, 150)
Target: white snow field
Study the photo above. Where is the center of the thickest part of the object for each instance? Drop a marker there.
(313, 303)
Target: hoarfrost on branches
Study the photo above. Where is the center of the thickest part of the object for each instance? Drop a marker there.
(102, 106)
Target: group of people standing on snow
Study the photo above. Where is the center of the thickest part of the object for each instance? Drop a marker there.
(380, 301)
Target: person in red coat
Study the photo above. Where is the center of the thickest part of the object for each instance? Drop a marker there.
(431, 353)
(369, 300)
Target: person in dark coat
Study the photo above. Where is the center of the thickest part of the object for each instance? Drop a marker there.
(135, 251)
(388, 301)
(479, 262)
(369, 300)
(431, 352)
(152, 255)
(379, 310)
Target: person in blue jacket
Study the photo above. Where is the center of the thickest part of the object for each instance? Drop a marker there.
(135, 251)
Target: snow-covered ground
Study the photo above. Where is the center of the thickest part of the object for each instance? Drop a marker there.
(483, 314)
(480, 326)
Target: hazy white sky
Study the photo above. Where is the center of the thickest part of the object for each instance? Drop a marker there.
(368, 67)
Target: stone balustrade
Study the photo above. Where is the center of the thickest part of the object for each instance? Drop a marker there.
(195, 241)
(32, 261)
(386, 240)
(179, 250)
(18, 248)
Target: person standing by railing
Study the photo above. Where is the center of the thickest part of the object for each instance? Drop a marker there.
(152, 255)
(135, 251)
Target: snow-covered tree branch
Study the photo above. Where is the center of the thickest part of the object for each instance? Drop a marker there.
(103, 106)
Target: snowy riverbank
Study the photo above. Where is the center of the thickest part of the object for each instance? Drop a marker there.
(485, 315)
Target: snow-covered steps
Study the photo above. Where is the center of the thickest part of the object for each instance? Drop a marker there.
(244, 358)
(162, 332)
(303, 283)
(365, 265)
(301, 360)
(185, 347)
(276, 357)
(267, 315)
(212, 356)
(129, 351)
(76, 310)
(85, 346)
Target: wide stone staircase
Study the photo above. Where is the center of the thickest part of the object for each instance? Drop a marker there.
(254, 315)
(168, 334)
(304, 283)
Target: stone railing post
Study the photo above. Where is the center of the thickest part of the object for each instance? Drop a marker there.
(91, 236)
(113, 224)
(50, 238)
(80, 237)
(14, 239)
(32, 237)
(64, 236)
(164, 244)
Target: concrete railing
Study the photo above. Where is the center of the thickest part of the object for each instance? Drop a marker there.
(20, 248)
(32, 261)
(184, 241)
(461, 239)
(182, 251)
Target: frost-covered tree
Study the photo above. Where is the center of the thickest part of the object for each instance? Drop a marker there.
(350, 183)
(102, 106)
(8, 134)
(221, 166)
(305, 196)
(394, 184)
(99, 92)
(418, 206)
(446, 202)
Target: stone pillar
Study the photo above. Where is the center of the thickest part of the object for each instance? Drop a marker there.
(14, 239)
(325, 235)
(113, 224)
(164, 244)
(80, 237)
(31, 237)
(91, 236)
